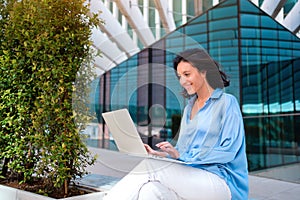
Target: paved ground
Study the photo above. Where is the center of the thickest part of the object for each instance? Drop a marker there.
(276, 183)
(272, 184)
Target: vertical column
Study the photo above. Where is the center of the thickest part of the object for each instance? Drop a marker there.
(184, 11)
(198, 7)
(146, 10)
(157, 25)
(115, 10)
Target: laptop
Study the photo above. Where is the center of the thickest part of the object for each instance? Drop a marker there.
(126, 136)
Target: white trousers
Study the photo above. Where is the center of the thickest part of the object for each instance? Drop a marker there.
(160, 180)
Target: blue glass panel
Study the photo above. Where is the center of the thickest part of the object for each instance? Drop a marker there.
(223, 12)
(200, 38)
(296, 77)
(196, 29)
(249, 7)
(250, 20)
(269, 34)
(231, 23)
(268, 22)
(224, 34)
(224, 54)
(256, 128)
(224, 43)
(198, 20)
(250, 33)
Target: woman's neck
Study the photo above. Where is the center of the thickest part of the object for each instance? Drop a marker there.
(205, 93)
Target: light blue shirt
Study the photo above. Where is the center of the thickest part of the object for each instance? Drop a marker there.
(214, 140)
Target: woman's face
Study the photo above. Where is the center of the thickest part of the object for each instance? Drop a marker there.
(190, 78)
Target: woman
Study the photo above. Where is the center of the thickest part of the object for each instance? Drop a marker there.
(211, 141)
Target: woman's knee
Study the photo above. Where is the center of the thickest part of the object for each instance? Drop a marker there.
(154, 190)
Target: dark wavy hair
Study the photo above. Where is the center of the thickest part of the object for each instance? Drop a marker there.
(201, 60)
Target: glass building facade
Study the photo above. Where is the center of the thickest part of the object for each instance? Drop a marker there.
(260, 56)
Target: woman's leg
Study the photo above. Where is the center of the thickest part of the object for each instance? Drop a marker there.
(194, 184)
(154, 177)
(154, 190)
(128, 188)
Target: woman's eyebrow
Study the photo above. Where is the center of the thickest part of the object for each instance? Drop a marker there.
(184, 72)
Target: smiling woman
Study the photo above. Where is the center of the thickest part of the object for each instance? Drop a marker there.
(211, 142)
(199, 60)
(193, 81)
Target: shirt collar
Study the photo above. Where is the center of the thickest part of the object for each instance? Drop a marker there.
(217, 93)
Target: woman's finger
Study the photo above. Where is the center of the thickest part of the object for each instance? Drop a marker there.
(163, 144)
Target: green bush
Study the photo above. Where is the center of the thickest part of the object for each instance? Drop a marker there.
(44, 44)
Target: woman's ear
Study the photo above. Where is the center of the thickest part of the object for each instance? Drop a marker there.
(203, 73)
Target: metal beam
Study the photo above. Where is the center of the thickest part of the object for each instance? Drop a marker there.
(291, 21)
(111, 55)
(97, 70)
(103, 64)
(135, 19)
(113, 28)
(272, 7)
(107, 47)
(166, 16)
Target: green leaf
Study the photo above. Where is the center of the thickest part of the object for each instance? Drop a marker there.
(41, 50)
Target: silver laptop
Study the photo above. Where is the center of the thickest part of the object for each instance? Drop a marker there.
(126, 136)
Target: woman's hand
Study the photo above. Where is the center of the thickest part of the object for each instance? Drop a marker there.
(166, 149)
(169, 149)
(154, 152)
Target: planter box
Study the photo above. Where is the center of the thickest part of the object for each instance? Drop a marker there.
(9, 193)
